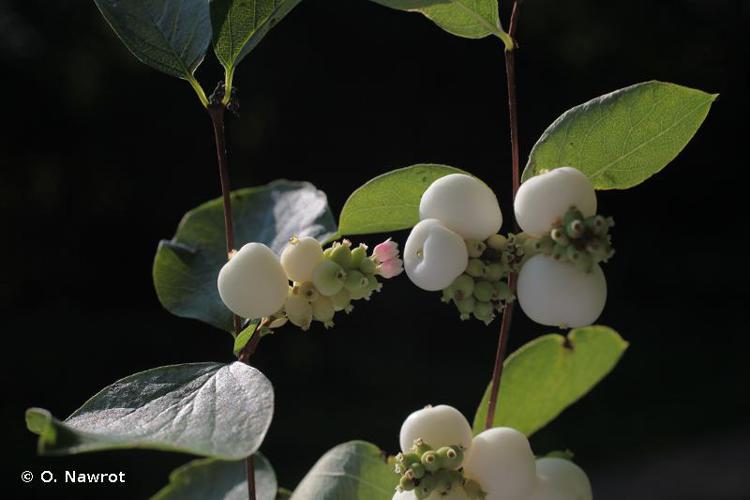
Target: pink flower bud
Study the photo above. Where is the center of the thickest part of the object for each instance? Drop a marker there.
(390, 268)
(386, 251)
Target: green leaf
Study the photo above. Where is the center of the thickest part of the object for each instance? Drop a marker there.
(621, 139)
(389, 202)
(550, 373)
(186, 267)
(239, 25)
(169, 35)
(241, 340)
(283, 494)
(208, 409)
(465, 18)
(351, 471)
(212, 479)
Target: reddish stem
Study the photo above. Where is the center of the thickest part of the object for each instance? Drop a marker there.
(510, 71)
(216, 110)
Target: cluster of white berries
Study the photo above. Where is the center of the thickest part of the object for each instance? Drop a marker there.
(440, 460)
(562, 285)
(455, 248)
(255, 282)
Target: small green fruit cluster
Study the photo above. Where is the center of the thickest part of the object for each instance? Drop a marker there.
(483, 287)
(425, 471)
(582, 241)
(342, 275)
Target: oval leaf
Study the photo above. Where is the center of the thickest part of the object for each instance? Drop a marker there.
(239, 25)
(621, 139)
(390, 202)
(351, 471)
(211, 409)
(186, 267)
(169, 35)
(550, 373)
(212, 479)
(465, 18)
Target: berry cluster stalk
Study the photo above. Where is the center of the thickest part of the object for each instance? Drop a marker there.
(510, 71)
(216, 110)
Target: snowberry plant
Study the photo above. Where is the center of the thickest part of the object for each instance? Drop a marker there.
(261, 258)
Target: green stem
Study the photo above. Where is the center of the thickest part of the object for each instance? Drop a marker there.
(510, 71)
(198, 90)
(228, 80)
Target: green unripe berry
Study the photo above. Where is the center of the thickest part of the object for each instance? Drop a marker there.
(597, 224)
(585, 262)
(475, 248)
(475, 268)
(417, 470)
(420, 448)
(559, 236)
(327, 252)
(575, 228)
(544, 245)
(368, 266)
(559, 251)
(463, 287)
(341, 300)
(299, 311)
(408, 460)
(495, 271)
(573, 254)
(448, 294)
(307, 290)
(572, 214)
(483, 291)
(450, 457)
(443, 482)
(502, 291)
(373, 285)
(328, 278)
(425, 488)
(342, 254)
(407, 484)
(430, 461)
(497, 242)
(466, 306)
(484, 311)
(355, 280)
(323, 311)
(358, 255)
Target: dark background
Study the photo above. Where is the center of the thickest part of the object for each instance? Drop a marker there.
(101, 155)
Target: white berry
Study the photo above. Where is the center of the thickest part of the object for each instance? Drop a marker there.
(464, 204)
(300, 257)
(434, 255)
(501, 461)
(542, 200)
(437, 426)
(557, 293)
(561, 480)
(253, 284)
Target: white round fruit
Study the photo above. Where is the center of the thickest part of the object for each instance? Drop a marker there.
(456, 493)
(501, 461)
(561, 480)
(542, 200)
(300, 257)
(557, 293)
(434, 255)
(253, 284)
(464, 204)
(437, 426)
